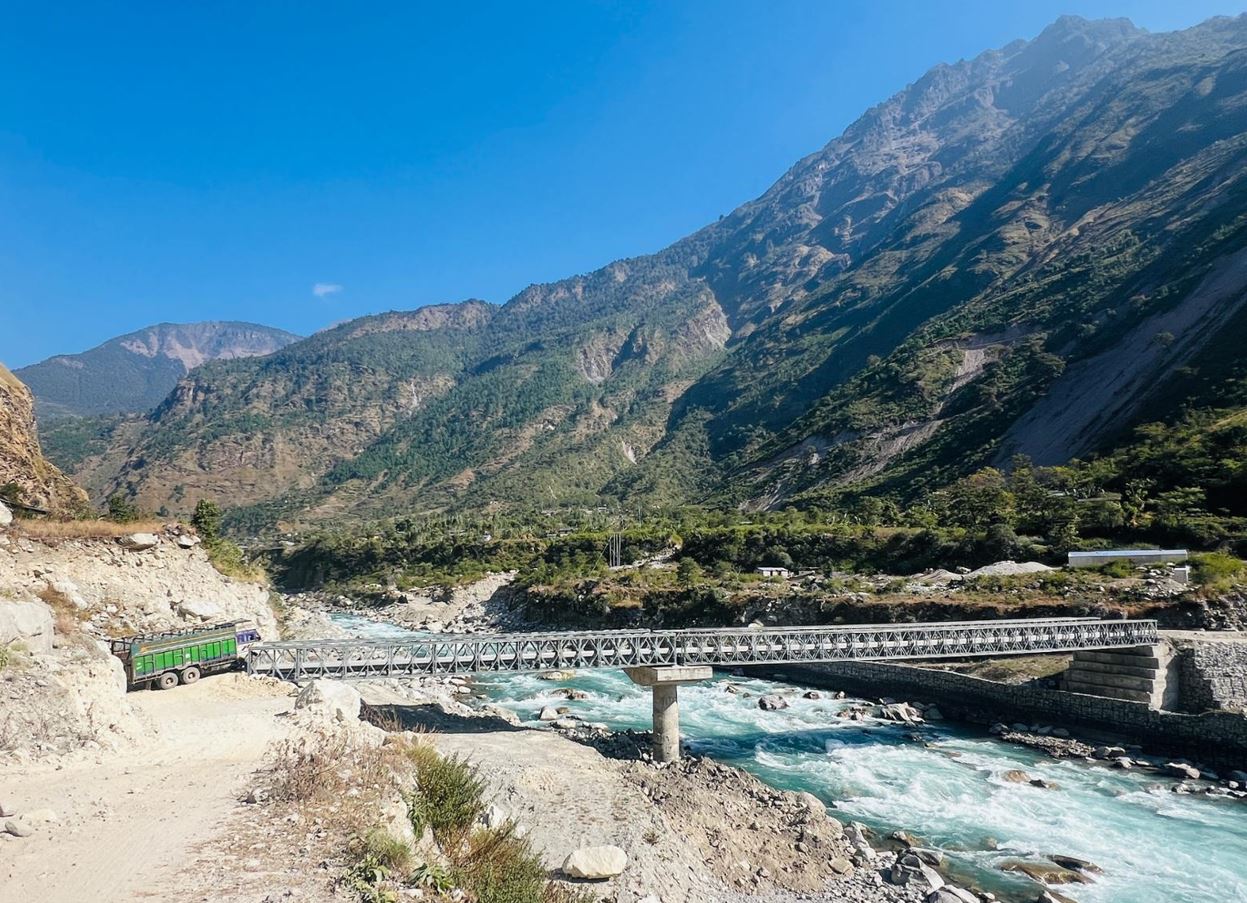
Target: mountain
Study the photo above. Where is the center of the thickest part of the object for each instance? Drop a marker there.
(25, 475)
(1027, 252)
(133, 373)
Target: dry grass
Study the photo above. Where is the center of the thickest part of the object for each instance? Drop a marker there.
(86, 529)
(67, 618)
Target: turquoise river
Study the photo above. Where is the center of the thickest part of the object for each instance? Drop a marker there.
(942, 782)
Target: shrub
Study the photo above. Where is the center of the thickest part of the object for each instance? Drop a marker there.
(499, 867)
(448, 798)
(386, 849)
(1217, 570)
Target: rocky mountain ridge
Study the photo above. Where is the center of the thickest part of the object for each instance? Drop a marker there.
(1047, 233)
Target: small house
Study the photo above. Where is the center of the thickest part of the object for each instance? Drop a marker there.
(774, 572)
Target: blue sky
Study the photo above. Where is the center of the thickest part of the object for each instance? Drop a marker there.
(301, 163)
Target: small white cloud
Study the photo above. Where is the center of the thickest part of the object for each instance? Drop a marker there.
(325, 289)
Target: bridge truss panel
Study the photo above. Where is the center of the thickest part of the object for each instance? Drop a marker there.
(484, 653)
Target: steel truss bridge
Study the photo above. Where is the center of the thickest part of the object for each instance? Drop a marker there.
(721, 647)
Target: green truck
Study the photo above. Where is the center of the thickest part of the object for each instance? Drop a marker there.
(164, 660)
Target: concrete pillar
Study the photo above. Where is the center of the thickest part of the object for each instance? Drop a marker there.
(664, 684)
(666, 722)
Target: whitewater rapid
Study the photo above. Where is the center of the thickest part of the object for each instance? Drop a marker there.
(943, 783)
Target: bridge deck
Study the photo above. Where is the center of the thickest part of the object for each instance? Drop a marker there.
(476, 653)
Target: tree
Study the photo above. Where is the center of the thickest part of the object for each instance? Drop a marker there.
(207, 520)
(688, 572)
(121, 510)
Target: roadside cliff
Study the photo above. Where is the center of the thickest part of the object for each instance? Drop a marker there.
(23, 468)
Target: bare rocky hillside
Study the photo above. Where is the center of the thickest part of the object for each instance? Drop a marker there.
(36, 482)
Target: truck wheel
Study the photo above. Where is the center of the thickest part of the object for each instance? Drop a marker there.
(190, 675)
(167, 681)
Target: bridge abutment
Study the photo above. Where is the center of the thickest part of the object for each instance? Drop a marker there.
(664, 684)
(1142, 674)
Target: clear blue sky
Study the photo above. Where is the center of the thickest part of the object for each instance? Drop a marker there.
(193, 161)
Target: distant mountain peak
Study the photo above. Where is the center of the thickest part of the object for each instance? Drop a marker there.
(133, 372)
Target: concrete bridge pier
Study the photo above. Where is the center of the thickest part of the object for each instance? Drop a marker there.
(664, 683)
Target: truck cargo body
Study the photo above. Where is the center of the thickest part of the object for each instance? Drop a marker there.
(183, 656)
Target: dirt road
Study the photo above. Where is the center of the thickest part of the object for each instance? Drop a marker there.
(115, 825)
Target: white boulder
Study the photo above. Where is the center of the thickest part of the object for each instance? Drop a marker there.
(595, 863)
(28, 623)
(6, 516)
(139, 542)
(339, 700)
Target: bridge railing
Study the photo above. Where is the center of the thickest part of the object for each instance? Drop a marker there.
(482, 653)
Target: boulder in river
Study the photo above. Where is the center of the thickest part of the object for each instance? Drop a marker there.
(548, 713)
(1016, 776)
(1045, 872)
(1182, 770)
(902, 712)
(595, 863)
(771, 703)
(1077, 865)
(909, 868)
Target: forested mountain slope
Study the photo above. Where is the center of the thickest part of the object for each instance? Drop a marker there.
(1030, 251)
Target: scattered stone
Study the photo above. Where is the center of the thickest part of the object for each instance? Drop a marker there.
(771, 703)
(811, 694)
(909, 867)
(6, 516)
(139, 542)
(1108, 752)
(1016, 776)
(841, 866)
(558, 675)
(18, 828)
(186, 541)
(812, 804)
(255, 795)
(1123, 762)
(494, 816)
(7, 810)
(548, 713)
(595, 863)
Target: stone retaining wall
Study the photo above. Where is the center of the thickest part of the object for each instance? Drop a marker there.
(1217, 738)
(1213, 675)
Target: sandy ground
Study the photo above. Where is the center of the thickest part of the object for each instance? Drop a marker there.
(124, 823)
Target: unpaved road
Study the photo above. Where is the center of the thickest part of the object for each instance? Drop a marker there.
(126, 822)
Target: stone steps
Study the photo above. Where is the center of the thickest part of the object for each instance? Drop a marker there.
(1080, 675)
(1110, 692)
(1135, 675)
(1145, 672)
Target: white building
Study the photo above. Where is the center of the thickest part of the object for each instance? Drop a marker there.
(774, 572)
(1133, 556)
